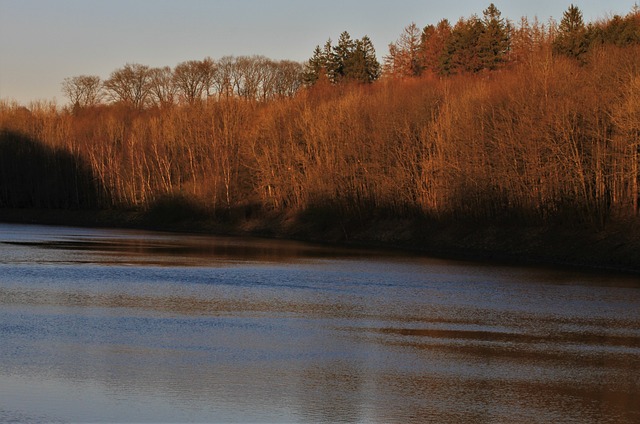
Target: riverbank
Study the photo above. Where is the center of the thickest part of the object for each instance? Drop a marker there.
(615, 247)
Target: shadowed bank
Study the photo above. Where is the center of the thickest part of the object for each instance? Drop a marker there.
(34, 175)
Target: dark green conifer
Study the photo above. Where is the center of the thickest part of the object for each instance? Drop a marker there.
(372, 66)
(461, 51)
(493, 43)
(572, 38)
(349, 60)
(315, 67)
(340, 57)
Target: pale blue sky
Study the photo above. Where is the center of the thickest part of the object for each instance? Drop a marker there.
(44, 41)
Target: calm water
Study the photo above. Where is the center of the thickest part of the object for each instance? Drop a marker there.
(121, 326)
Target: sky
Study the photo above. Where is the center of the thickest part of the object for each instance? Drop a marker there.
(44, 41)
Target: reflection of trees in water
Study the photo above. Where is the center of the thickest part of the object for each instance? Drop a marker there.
(227, 351)
(334, 391)
(336, 341)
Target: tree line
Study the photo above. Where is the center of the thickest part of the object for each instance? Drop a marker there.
(472, 45)
(490, 42)
(248, 77)
(549, 138)
(140, 86)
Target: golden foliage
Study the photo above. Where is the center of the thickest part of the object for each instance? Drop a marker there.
(544, 139)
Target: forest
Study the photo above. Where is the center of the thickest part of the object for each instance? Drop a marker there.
(480, 121)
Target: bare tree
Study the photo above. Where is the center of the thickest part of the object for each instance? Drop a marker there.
(252, 71)
(82, 90)
(270, 77)
(279, 78)
(194, 79)
(288, 78)
(163, 91)
(223, 77)
(130, 85)
(257, 77)
(404, 58)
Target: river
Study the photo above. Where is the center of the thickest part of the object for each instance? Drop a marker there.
(130, 326)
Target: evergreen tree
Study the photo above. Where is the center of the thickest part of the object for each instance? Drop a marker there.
(432, 45)
(494, 42)
(355, 67)
(572, 38)
(461, 51)
(340, 57)
(315, 67)
(349, 60)
(373, 66)
(620, 31)
(362, 65)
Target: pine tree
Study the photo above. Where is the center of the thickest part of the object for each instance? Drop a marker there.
(494, 42)
(461, 51)
(355, 68)
(362, 65)
(315, 67)
(620, 31)
(349, 60)
(340, 55)
(433, 42)
(371, 60)
(572, 38)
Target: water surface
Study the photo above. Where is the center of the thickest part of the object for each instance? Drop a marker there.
(127, 326)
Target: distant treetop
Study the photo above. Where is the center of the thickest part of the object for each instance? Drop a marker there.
(347, 61)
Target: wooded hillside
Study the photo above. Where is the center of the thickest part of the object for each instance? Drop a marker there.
(541, 136)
